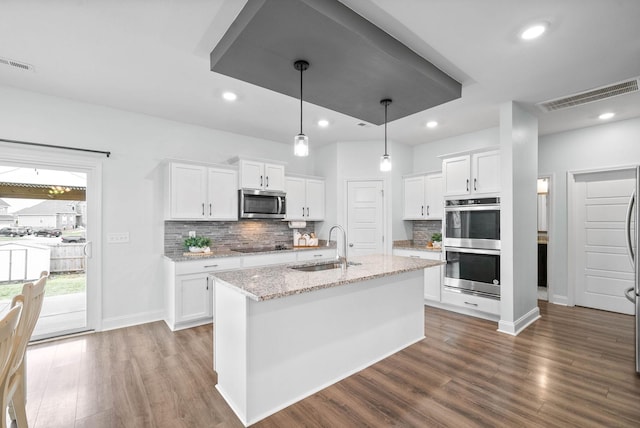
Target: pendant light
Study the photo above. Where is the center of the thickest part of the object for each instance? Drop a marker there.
(385, 160)
(301, 141)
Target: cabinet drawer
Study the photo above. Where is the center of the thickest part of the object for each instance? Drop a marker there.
(429, 255)
(268, 259)
(208, 265)
(469, 301)
(307, 255)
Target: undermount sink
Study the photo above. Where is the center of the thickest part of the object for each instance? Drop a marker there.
(322, 266)
(315, 268)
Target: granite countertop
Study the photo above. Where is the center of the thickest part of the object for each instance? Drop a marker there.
(272, 282)
(226, 252)
(409, 245)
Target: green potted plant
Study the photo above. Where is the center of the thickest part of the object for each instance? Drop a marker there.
(197, 244)
(436, 239)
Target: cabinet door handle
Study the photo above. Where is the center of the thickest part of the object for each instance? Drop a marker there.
(427, 210)
(422, 210)
(302, 211)
(470, 304)
(207, 283)
(203, 208)
(210, 266)
(307, 211)
(210, 210)
(260, 181)
(317, 255)
(415, 257)
(467, 184)
(267, 181)
(475, 184)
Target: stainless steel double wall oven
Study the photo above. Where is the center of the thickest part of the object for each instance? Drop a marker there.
(472, 246)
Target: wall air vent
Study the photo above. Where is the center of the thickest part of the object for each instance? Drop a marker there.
(17, 64)
(598, 94)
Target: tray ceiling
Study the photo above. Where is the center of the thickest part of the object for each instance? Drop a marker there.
(353, 63)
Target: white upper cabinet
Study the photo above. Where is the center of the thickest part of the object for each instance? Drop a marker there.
(223, 202)
(423, 197)
(315, 199)
(261, 176)
(470, 174)
(187, 191)
(305, 198)
(414, 198)
(198, 192)
(485, 170)
(434, 189)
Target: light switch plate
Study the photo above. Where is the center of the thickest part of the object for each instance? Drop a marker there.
(118, 238)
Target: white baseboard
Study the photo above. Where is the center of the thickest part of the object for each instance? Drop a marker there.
(131, 320)
(559, 300)
(515, 328)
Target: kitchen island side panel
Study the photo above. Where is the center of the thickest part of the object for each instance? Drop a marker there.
(230, 346)
(300, 344)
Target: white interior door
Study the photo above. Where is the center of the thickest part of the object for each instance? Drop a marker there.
(603, 269)
(365, 214)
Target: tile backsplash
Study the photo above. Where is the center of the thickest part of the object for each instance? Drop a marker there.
(423, 229)
(231, 234)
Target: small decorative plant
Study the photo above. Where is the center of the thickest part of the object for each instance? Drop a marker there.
(197, 242)
(436, 237)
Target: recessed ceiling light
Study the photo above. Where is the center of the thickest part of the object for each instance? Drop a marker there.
(323, 123)
(534, 31)
(229, 96)
(605, 116)
(432, 124)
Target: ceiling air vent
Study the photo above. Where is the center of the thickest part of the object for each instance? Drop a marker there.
(16, 64)
(590, 96)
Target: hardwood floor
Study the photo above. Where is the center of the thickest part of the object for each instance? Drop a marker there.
(573, 367)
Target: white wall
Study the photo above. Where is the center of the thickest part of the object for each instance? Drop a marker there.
(597, 147)
(425, 156)
(132, 192)
(344, 160)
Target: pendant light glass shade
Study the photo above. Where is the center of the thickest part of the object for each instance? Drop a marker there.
(301, 145)
(385, 160)
(385, 163)
(301, 141)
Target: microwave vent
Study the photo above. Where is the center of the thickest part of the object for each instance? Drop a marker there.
(590, 96)
(17, 64)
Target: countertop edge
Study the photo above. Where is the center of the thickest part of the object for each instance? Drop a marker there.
(417, 264)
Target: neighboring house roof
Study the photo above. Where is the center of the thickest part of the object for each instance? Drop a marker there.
(6, 217)
(49, 208)
(4, 203)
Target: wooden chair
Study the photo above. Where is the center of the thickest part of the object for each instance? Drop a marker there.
(7, 348)
(14, 395)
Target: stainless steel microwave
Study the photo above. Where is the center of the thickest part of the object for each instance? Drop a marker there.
(261, 204)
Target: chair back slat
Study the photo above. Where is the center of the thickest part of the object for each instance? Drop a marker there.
(31, 300)
(7, 331)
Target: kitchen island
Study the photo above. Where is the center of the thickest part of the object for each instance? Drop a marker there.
(282, 334)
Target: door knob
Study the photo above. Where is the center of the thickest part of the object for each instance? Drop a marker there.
(351, 245)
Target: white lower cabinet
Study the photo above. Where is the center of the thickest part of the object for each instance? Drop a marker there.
(189, 290)
(189, 287)
(432, 276)
(318, 254)
(268, 259)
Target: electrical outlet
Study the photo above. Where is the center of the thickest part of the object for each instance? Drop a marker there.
(192, 234)
(118, 238)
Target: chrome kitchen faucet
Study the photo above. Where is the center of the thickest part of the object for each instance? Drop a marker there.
(343, 259)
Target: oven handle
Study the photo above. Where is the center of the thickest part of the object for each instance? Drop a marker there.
(472, 251)
(473, 208)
